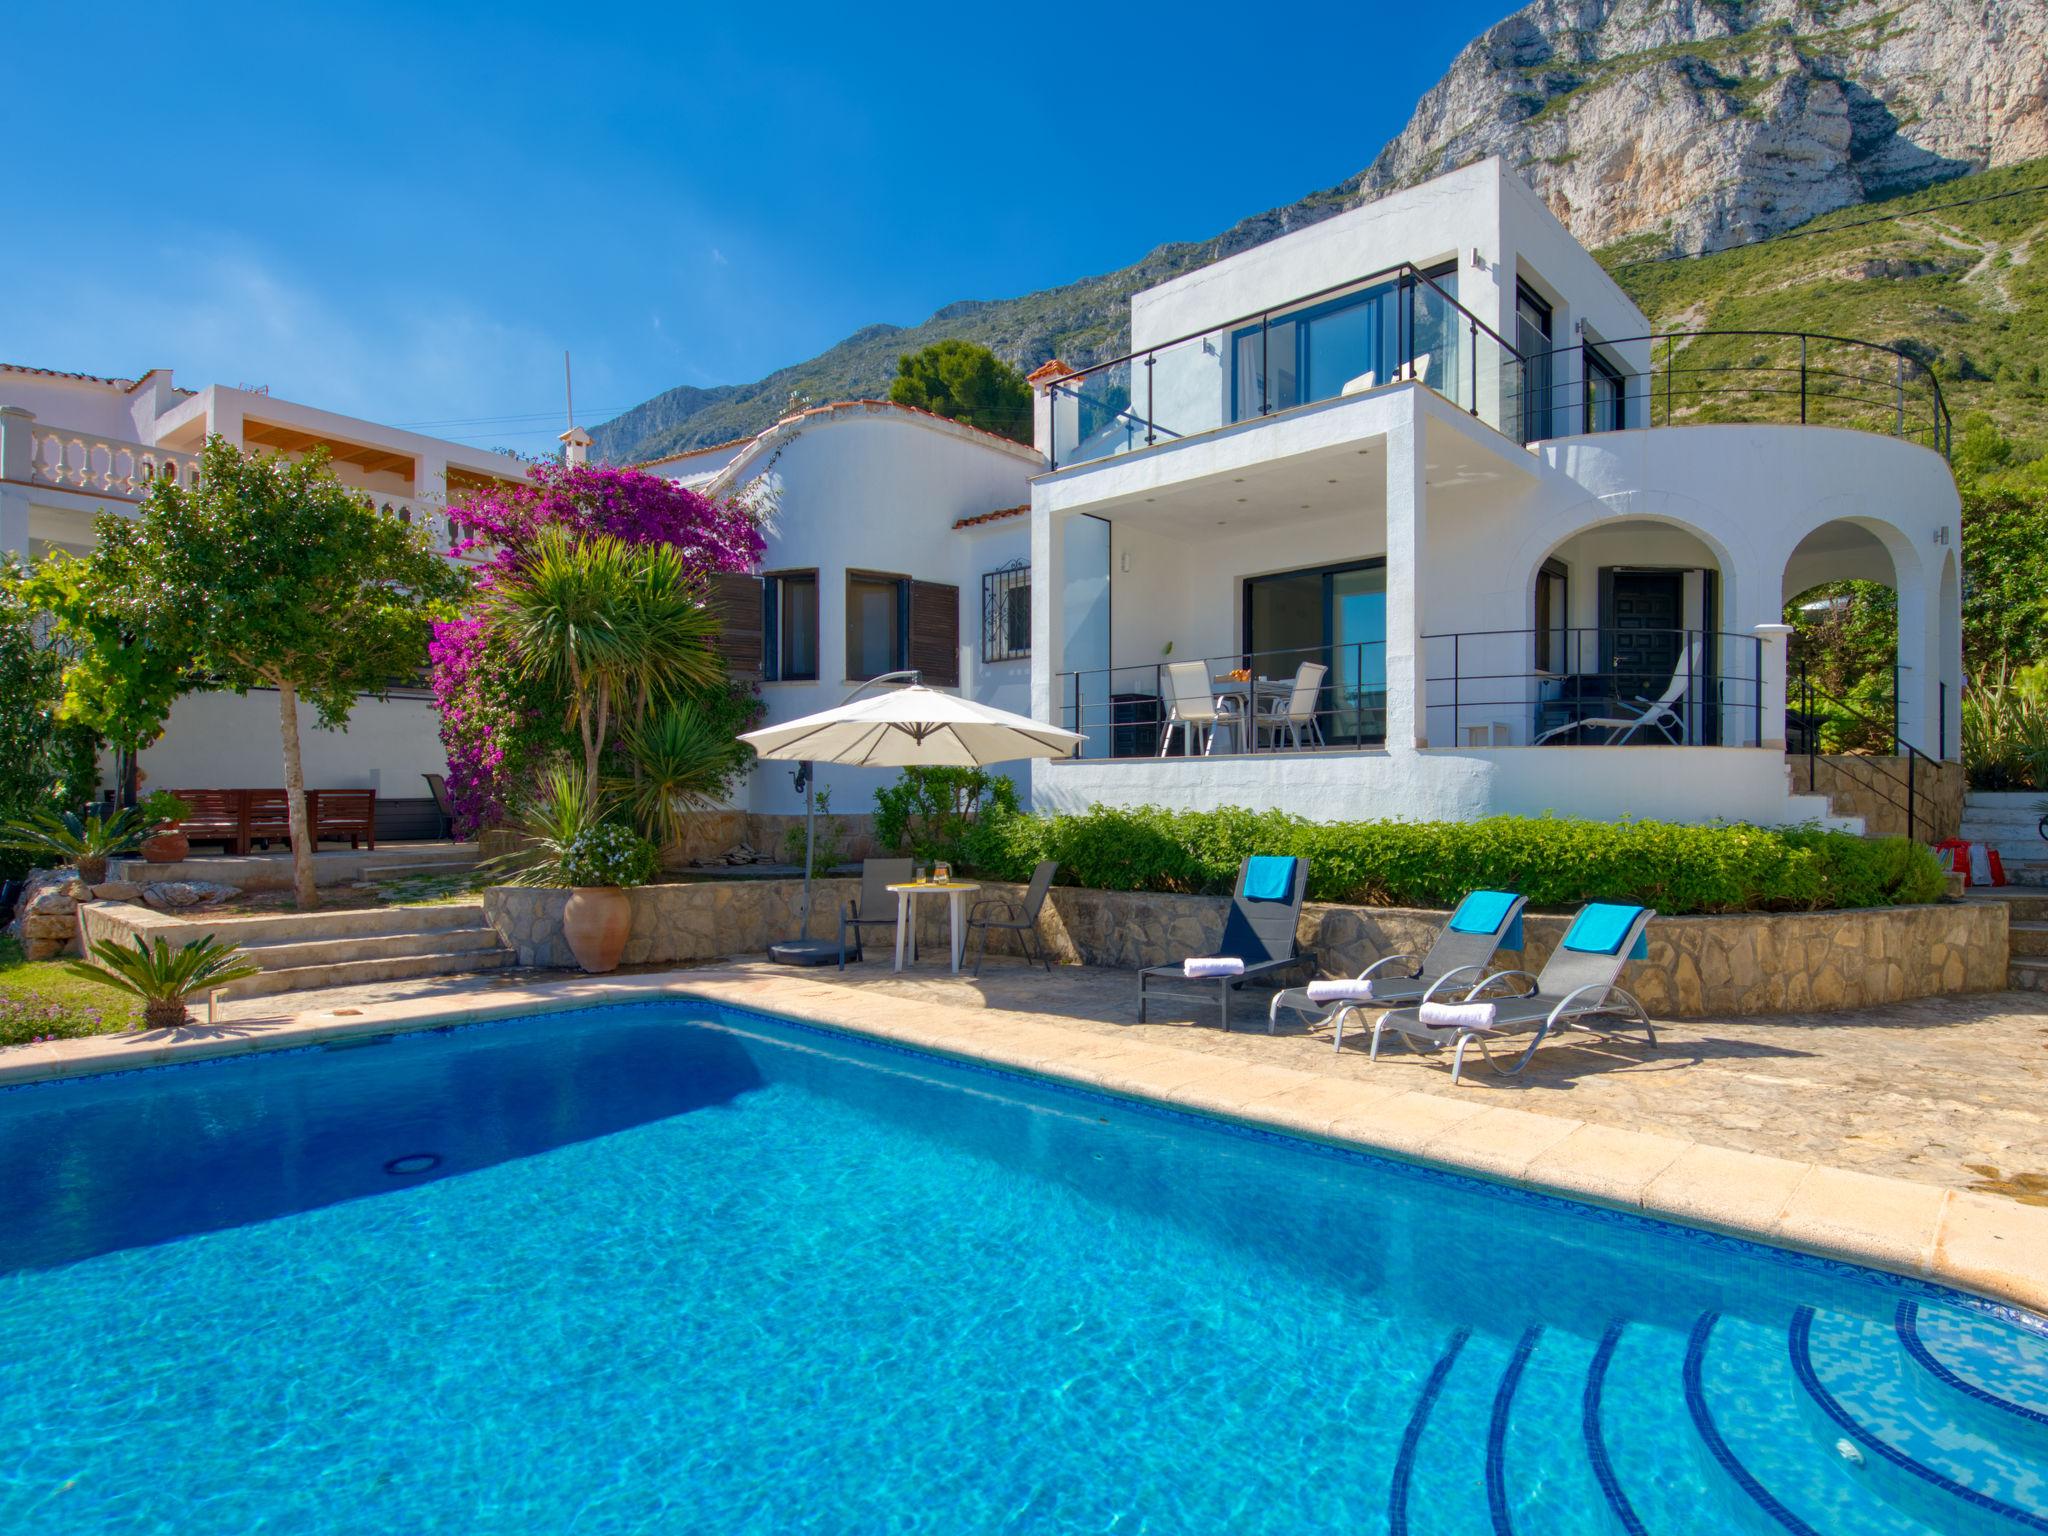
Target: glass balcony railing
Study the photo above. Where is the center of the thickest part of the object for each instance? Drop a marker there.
(1396, 325)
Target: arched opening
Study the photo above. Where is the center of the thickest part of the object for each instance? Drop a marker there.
(1843, 682)
(1625, 618)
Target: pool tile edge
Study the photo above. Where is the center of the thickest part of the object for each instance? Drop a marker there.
(1987, 1246)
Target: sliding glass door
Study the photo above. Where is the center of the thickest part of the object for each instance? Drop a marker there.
(1334, 616)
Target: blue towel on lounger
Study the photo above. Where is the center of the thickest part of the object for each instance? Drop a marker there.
(1601, 926)
(1482, 911)
(1269, 877)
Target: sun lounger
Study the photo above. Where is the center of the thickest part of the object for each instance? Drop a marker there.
(1482, 924)
(1575, 986)
(1258, 937)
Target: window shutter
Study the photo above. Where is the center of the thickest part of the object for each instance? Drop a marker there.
(935, 632)
(735, 597)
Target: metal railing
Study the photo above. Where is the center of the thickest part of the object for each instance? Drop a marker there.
(1128, 711)
(1896, 780)
(1392, 325)
(1672, 378)
(1593, 687)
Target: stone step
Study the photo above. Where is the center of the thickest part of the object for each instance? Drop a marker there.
(306, 927)
(2028, 939)
(375, 946)
(357, 973)
(2027, 975)
(419, 871)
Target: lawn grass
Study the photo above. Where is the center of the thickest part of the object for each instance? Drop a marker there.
(44, 999)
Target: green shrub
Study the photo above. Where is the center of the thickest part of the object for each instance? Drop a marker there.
(1556, 863)
(929, 812)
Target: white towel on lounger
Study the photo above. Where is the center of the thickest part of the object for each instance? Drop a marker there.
(1213, 965)
(1457, 1015)
(1340, 991)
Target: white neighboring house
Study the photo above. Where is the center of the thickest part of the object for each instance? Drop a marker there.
(74, 445)
(900, 539)
(1429, 445)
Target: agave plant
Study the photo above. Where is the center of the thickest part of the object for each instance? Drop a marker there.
(562, 808)
(86, 842)
(164, 977)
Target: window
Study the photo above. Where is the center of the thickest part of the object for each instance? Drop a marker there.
(1553, 595)
(1311, 353)
(1532, 340)
(877, 625)
(789, 624)
(1606, 396)
(1006, 612)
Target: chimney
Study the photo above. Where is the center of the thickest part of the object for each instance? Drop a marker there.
(1044, 403)
(575, 445)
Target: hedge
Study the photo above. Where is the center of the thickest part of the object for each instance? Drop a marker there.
(1555, 862)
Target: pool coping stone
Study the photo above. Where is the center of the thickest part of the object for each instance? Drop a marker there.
(1982, 1244)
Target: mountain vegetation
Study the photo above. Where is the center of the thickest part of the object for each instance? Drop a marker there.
(1653, 128)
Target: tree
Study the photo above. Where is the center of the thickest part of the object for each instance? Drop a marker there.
(118, 685)
(967, 383)
(500, 728)
(273, 574)
(46, 763)
(611, 627)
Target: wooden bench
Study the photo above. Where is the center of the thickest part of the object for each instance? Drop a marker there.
(238, 819)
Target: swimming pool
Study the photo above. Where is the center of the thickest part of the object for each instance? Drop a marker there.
(681, 1267)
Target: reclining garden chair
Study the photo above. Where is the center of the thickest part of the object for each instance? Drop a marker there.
(1659, 714)
(1258, 936)
(1483, 923)
(1576, 984)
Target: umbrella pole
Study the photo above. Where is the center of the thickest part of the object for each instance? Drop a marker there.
(810, 843)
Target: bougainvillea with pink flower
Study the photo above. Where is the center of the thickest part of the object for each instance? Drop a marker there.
(495, 730)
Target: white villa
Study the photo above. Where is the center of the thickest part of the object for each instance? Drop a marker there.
(74, 445)
(1401, 515)
(1429, 447)
(899, 539)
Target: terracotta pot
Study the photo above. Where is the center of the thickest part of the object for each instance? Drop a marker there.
(166, 847)
(595, 922)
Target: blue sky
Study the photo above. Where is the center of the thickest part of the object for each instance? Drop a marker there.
(407, 213)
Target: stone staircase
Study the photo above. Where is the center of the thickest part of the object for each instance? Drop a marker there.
(2010, 822)
(2026, 934)
(300, 951)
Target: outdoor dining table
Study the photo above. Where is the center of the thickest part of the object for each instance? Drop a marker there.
(1250, 693)
(956, 930)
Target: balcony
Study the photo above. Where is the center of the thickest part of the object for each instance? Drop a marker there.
(1702, 378)
(103, 466)
(1393, 326)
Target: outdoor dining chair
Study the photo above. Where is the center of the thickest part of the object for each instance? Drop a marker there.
(1018, 917)
(1294, 712)
(1194, 708)
(874, 907)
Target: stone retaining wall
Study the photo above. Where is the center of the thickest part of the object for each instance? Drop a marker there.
(1875, 789)
(1743, 963)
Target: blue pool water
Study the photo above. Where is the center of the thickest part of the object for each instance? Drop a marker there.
(678, 1267)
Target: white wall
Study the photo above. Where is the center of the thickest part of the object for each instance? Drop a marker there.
(1686, 784)
(234, 741)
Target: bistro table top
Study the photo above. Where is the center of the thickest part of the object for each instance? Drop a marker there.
(938, 885)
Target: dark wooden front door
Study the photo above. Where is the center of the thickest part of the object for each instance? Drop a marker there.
(1644, 627)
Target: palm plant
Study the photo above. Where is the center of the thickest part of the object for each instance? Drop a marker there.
(85, 842)
(2005, 733)
(562, 808)
(615, 627)
(164, 977)
(681, 760)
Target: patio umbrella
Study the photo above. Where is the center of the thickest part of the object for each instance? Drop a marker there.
(911, 726)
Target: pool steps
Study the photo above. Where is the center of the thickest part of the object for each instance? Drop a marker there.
(1510, 1429)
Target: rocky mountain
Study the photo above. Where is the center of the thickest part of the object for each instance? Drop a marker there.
(1673, 126)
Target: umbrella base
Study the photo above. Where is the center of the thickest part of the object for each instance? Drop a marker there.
(805, 952)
